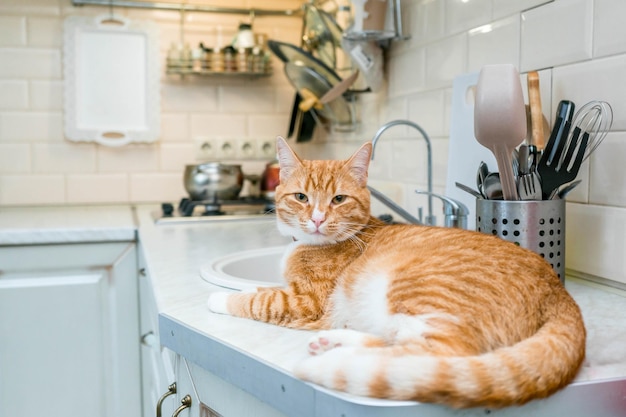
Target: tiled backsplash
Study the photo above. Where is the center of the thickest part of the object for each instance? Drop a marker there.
(579, 47)
(39, 166)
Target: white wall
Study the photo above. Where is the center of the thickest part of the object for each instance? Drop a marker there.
(39, 166)
(579, 47)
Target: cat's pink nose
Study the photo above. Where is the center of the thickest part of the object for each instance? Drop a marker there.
(318, 222)
(318, 217)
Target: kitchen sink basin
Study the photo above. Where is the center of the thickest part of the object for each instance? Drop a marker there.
(246, 269)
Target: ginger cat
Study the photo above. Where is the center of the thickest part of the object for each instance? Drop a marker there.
(410, 312)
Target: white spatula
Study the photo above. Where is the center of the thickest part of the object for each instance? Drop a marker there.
(500, 119)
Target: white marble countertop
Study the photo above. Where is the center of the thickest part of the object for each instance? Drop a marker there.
(63, 224)
(258, 357)
(176, 253)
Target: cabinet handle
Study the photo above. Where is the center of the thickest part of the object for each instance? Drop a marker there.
(170, 390)
(149, 339)
(185, 403)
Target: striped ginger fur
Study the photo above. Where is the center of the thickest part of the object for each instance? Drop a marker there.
(410, 312)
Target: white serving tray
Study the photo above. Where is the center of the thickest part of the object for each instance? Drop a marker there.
(111, 88)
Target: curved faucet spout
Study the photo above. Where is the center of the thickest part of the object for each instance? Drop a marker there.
(430, 219)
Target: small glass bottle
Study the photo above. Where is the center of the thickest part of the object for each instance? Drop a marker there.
(217, 60)
(197, 59)
(242, 60)
(186, 57)
(207, 56)
(173, 56)
(258, 63)
(230, 65)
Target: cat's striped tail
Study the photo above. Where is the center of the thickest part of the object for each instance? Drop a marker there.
(533, 368)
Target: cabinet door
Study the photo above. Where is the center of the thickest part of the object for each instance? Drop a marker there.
(185, 388)
(157, 372)
(69, 338)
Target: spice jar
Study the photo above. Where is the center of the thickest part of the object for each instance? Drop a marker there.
(186, 57)
(242, 60)
(217, 61)
(230, 65)
(197, 59)
(173, 56)
(258, 62)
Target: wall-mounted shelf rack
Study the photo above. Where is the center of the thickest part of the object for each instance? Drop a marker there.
(235, 74)
(187, 7)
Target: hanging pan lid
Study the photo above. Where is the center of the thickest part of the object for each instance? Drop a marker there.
(290, 53)
(322, 36)
(312, 87)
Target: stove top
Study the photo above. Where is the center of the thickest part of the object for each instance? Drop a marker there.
(188, 210)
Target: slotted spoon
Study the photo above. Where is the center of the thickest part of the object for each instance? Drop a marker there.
(500, 119)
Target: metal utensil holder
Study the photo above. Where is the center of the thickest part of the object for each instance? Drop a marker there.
(535, 225)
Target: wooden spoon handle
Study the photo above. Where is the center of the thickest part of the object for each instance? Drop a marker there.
(537, 137)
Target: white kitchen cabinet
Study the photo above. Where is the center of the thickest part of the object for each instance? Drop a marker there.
(187, 401)
(69, 330)
(157, 372)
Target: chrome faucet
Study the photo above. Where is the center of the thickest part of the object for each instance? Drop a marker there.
(430, 218)
(454, 212)
(393, 206)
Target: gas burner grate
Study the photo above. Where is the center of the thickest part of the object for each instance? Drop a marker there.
(206, 209)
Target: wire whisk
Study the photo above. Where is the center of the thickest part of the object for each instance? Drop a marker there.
(594, 118)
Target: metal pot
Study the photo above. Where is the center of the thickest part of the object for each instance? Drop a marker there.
(213, 181)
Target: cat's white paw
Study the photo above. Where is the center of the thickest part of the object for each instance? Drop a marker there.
(218, 302)
(329, 339)
(321, 369)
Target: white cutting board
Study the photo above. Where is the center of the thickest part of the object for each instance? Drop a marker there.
(464, 152)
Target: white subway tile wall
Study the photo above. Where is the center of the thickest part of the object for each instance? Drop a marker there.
(97, 188)
(13, 30)
(579, 46)
(557, 33)
(463, 15)
(494, 43)
(39, 166)
(13, 95)
(609, 30)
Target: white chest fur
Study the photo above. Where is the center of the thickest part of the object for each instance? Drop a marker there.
(366, 309)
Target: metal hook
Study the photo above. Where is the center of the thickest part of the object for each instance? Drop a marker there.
(112, 20)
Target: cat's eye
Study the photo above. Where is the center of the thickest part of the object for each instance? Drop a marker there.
(301, 197)
(338, 199)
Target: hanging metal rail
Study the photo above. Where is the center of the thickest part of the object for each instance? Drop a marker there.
(186, 7)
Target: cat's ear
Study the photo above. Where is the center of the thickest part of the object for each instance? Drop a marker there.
(359, 163)
(287, 159)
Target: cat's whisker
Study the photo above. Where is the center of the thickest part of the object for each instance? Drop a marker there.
(351, 236)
